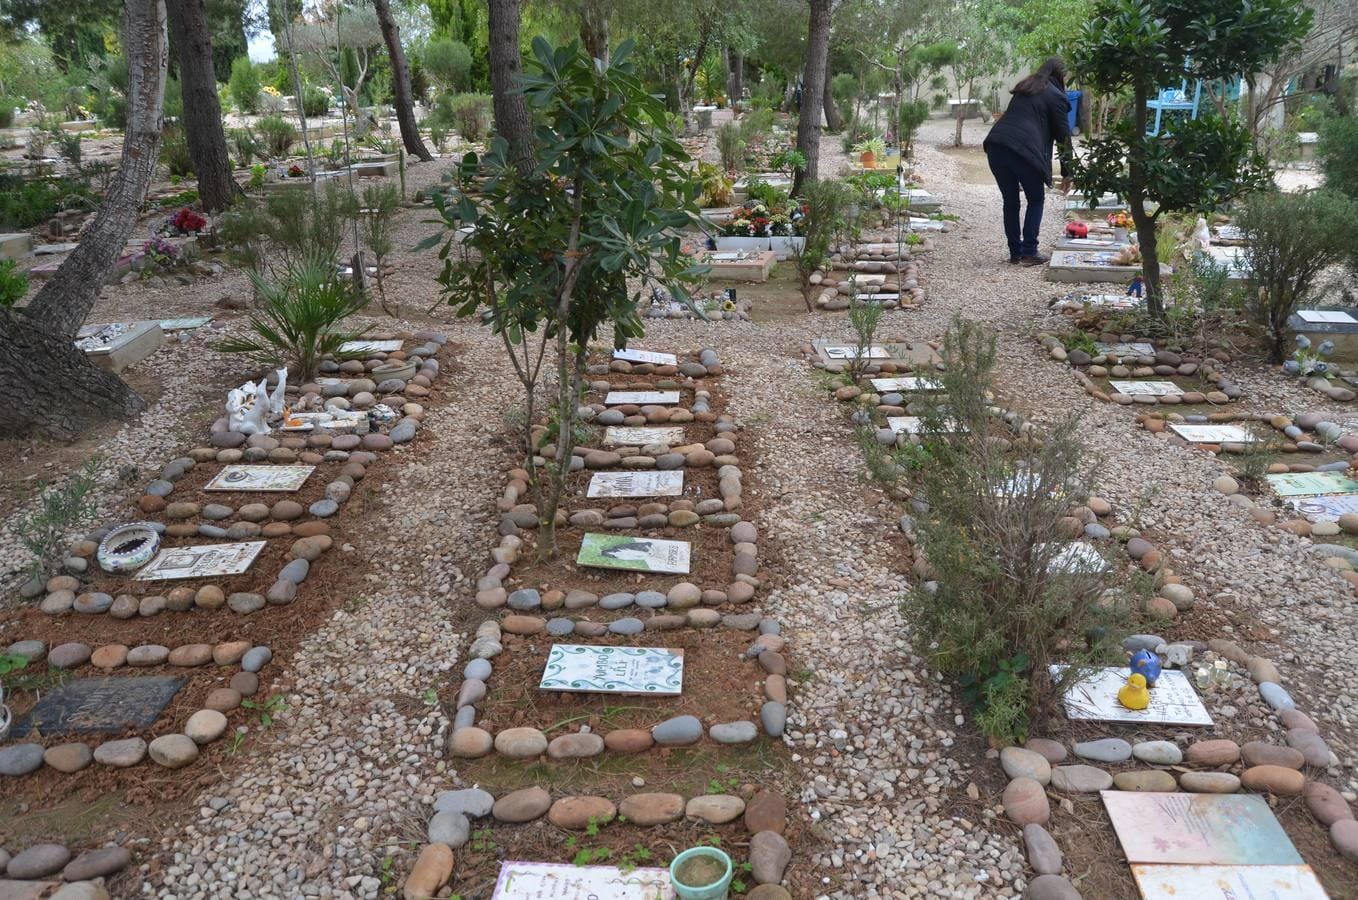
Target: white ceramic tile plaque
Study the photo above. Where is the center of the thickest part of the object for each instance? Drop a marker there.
(1116, 301)
(369, 346)
(1324, 509)
(614, 670)
(200, 562)
(1178, 882)
(619, 436)
(646, 356)
(1146, 388)
(633, 554)
(642, 398)
(1198, 830)
(846, 352)
(1077, 557)
(1213, 434)
(552, 881)
(636, 484)
(907, 384)
(915, 425)
(260, 478)
(1095, 697)
(1326, 315)
(1308, 484)
(186, 323)
(1138, 349)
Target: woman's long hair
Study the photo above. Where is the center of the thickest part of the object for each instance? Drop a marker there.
(1052, 71)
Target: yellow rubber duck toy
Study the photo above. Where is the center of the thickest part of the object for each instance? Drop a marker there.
(1134, 694)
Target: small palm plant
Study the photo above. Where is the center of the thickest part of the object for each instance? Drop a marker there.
(298, 320)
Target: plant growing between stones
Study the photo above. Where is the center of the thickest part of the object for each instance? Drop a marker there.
(1293, 239)
(380, 203)
(13, 283)
(828, 217)
(996, 610)
(864, 317)
(551, 250)
(266, 709)
(44, 531)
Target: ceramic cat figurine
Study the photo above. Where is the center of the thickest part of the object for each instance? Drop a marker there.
(247, 409)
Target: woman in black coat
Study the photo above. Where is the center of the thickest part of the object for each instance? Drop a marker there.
(1019, 148)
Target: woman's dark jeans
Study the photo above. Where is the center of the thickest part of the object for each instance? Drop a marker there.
(1012, 174)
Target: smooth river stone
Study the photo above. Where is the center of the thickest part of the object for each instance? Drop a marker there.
(1053, 751)
(1020, 763)
(678, 731)
(522, 806)
(1109, 750)
(1050, 887)
(1218, 752)
(520, 743)
(1273, 779)
(1025, 802)
(1259, 753)
(1158, 753)
(1209, 782)
(1325, 803)
(1156, 780)
(652, 809)
(577, 813)
(1080, 779)
(1043, 853)
(715, 809)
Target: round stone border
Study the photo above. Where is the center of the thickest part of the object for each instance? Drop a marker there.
(1163, 363)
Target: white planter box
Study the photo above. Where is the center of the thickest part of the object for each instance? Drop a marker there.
(743, 243)
(784, 247)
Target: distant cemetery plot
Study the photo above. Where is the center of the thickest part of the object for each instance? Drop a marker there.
(614, 670)
(1149, 388)
(646, 356)
(618, 435)
(642, 398)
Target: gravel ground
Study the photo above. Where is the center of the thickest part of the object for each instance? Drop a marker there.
(349, 767)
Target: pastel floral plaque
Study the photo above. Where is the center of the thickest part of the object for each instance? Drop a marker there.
(614, 670)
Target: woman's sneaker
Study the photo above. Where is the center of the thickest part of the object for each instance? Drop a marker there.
(1035, 260)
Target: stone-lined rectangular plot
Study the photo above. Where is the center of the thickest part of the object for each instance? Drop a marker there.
(99, 706)
(633, 554)
(260, 478)
(620, 436)
(1095, 698)
(642, 398)
(636, 484)
(1146, 388)
(203, 561)
(614, 670)
(915, 425)
(646, 356)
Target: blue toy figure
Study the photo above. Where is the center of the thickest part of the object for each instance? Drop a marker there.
(1147, 664)
(1134, 290)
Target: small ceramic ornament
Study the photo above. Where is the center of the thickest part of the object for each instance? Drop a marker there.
(1147, 665)
(1133, 694)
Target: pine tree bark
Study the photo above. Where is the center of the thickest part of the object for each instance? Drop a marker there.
(813, 91)
(736, 89)
(400, 83)
(833, 120)
(594, 29)
(511, 113)
(49, 385)
(202, 108)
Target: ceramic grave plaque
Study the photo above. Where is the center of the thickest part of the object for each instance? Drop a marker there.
(646, 356)
(846, 352)
(99, 706)
(1326, 315)
(186, 323)
(614, 670)
(1198, 829)
(1213, 434)
(1146, 388)
(633, 554)
(200, 562)
(1115, 301)
(1138, 349)
(642, 398)
(915, 425)
(552, 881)
(370, 346)
(907, 384)
(1095, 697)
(260, 478)
(1179, 882)
(1324, 509)
(1077, 557)
(616, 435)
(1231, 233)
(636, 484)
(1303, 484)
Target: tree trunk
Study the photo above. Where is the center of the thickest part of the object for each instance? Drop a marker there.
(735, 84)
(1136, 200)
(813, 91)
(50, 385)
(594, 30)
(511, 113)
(957, 133)
(202, 108)
(833, 120)
(400, 83)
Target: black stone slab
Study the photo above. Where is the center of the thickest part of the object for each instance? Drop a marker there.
(99, 706)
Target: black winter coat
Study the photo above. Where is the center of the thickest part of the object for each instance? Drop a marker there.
(1030, 126)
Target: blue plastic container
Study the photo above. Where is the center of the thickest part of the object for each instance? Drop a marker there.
(1074, 117)
(715, 891)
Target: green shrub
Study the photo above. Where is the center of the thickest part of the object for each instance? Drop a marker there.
(912, 114)
(246, 146)
(278, 135)
(844, 89)
(245, 85)
(995, 610)
(1337, 151)
(25, 203)
(730, 146)
(13, 283)
(828, 205)
(45, 531)
(298, 320)
(7, 107)
(449, 63)
(315, 102)
(469, 114)
(1293, 239)
(174, 152)
(279, 233)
